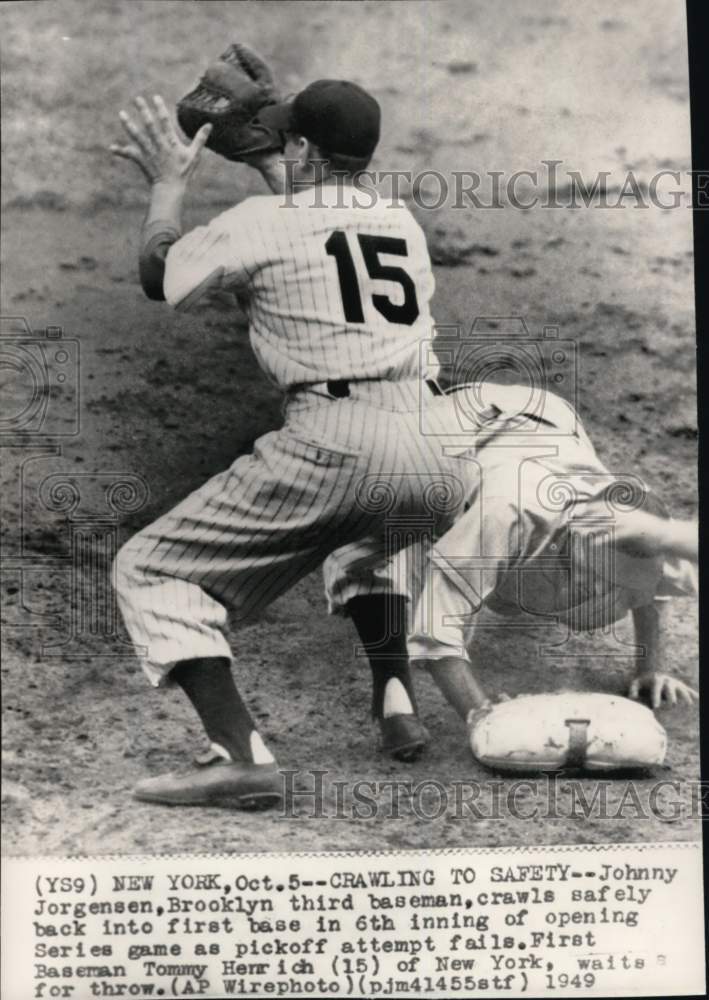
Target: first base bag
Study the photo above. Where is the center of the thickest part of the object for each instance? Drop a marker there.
(567, 730)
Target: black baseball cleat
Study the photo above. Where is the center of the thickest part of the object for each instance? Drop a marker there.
(228, 784)
(404, 737)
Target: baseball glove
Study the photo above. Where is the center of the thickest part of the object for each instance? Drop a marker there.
(229, 96)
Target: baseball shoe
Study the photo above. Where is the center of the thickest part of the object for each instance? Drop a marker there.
(229, 784)
(404, 737)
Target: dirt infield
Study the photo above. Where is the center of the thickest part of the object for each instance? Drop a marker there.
(164, 401)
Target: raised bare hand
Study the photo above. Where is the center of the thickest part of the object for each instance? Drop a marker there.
(156, 146)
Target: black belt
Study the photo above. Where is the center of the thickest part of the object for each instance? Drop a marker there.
(339, 388)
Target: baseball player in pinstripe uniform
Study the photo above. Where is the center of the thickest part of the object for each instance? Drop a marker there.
(337, 293)
(548, 534)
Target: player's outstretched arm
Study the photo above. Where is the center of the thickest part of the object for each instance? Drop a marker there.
(682, 539)
(638, 531)
(650, 681)
(167, 162)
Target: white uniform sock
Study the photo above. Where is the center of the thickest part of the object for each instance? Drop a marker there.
(396, 700)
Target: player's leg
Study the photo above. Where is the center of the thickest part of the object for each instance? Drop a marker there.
(250, 534)
(380, 620)
(375, 593)
(178, 626)
(239, 541)
(209, 684)
(237, 770)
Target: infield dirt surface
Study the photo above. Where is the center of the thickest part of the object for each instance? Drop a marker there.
(173, 399)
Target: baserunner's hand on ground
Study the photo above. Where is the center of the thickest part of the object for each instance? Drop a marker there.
(661, 689)
(156, 146)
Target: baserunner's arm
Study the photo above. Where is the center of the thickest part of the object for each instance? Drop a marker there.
(646, 534)
(650, 623)
(455, 678)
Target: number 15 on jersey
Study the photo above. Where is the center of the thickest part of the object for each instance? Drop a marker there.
(337, 246)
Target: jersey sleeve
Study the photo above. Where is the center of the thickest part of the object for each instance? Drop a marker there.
(157, 239)
(221, 255)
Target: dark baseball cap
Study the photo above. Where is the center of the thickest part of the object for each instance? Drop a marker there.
(338, 116)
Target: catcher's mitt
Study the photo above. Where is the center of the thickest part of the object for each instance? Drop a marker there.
(230, 94)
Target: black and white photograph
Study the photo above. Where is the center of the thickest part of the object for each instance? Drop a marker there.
(349, 434)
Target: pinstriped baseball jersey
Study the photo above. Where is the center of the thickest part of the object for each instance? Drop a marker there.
(333, 291)
(335, 287)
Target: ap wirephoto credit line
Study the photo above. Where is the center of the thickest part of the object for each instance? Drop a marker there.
(350, 513)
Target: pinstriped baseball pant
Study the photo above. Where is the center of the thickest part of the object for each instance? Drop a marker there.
(338, 471)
